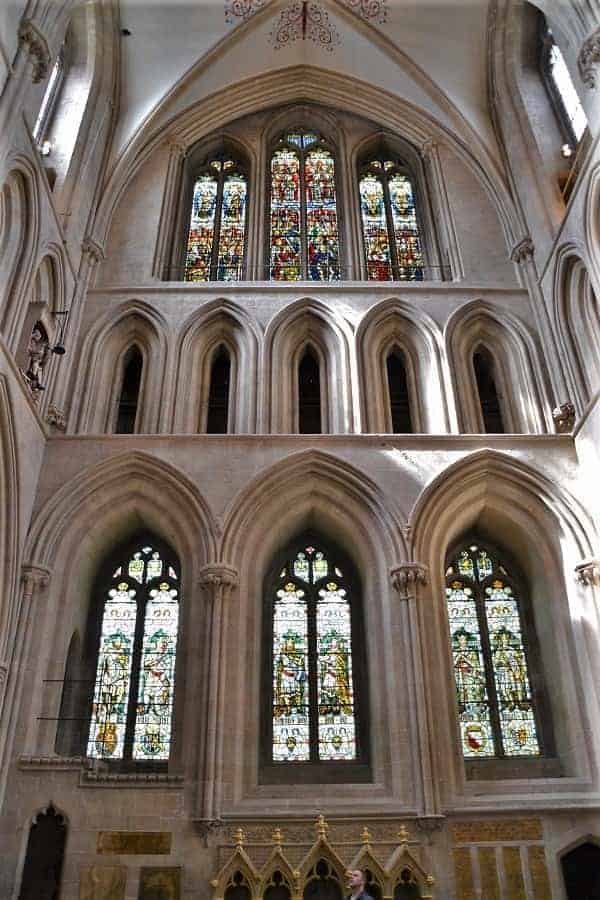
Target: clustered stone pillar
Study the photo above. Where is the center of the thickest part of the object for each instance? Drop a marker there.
(217, 580)
(409, 580)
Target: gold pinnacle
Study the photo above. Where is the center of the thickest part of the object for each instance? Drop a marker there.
(403, 834)
(239, 837)
(365, 835)
(277, 836)
(322, 826)
(430, 880)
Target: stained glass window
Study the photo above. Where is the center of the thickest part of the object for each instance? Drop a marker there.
(313, 705)
(217, 233)
(304, 242)
(391, 233)
(134, 685)
(496, 704)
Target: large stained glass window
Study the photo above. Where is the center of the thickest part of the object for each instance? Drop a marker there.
(496, 705)
(391, 234)
(313, 692)
(304, 241)
(133, 690)
(217, 233)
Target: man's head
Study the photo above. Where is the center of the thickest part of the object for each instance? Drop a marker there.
(356, 880)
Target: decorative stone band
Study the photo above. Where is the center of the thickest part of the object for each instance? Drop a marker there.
(90, 777)
(408, 577)
(37, 763)
(589, 58)
(588, 572)
(218, 575)
(36, 47)
(522, 250)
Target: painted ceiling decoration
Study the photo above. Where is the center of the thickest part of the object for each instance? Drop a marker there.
(295, 18)
(302, 20)
(242, 9)
(371, 10)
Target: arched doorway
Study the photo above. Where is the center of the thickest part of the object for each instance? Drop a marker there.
(581, 872)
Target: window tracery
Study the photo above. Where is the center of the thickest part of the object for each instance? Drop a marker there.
(497, 707)
(304, 240)
(133, 693)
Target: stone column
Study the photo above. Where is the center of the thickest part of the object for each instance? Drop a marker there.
(170, 228)
(34, 581)
(217, 579)
(438, 192)
(409, 579)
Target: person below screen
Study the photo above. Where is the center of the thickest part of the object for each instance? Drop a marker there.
(356, 884)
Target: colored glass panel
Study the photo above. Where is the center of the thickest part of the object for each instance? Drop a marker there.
(113, 674)
(321, 217)
(320, 566)
(285, 216)
(202, 228)
(466, 566)
(515, 706)
(135, 568)
(290, 676)
(302, 567)
(406, 231)
(336, 726)
(152, 737)
(154, 567)
(231, 238)
(484, 564)
(469, 673)
(377, 244)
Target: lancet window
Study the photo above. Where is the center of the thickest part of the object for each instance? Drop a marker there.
(391, 232)
(304, 239)
(487, 391)
(498, 710)
(313, 675)
(217, 233)
(563, 95)
(127, 404)
(136, 640)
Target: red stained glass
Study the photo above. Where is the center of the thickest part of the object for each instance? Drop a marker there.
(215, 250)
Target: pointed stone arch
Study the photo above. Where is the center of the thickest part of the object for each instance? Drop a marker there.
(101, 362)
(219, 322)
(239, 861)
(9, 530)
(394, 322)
(20, 218)
(308, 323)
(277, 862)
(517, 364)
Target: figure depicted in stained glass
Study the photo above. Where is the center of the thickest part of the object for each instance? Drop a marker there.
(490, 674)
(138, 635)
(304, 231)
(391, 232)
(312, 658)
(216, 240)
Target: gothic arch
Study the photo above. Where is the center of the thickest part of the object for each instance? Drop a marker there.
(394, 322)
(301, 324)
(219, 322)
(101, 362)
(521, 377)
(577, 321)
(20, 216)
(547, 531)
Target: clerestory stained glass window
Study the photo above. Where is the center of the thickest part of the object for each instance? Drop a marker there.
(134, 686)
(497, 708)
(217, 233)
(313, 692)
(391, 234)
(304, 242)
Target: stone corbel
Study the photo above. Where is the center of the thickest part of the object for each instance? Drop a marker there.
(92, 250)
(522, 251)
(564, 418)
(218, 576)
(56, 418)
(36, 47)
(589, 58)
(407, 578)
(177, 148)
(35, 579)
(587, 572)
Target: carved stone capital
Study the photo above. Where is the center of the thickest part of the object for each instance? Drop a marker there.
(56, 418)
(564, 418)
(522, 250)
(34, 578)
(93, 250)
(430, 824)
(589, 58)
(205, 827)
(177, 147)
(408, 577)
(588, 572)
(428, 148)
(36, 47)
(218, 575)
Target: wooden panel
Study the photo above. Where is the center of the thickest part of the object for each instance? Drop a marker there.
(498, 831)
(513, 874)
(463, 872)
(134, 842)
(539, 873)
(159, 883)
(102, 883)
(489, 873)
